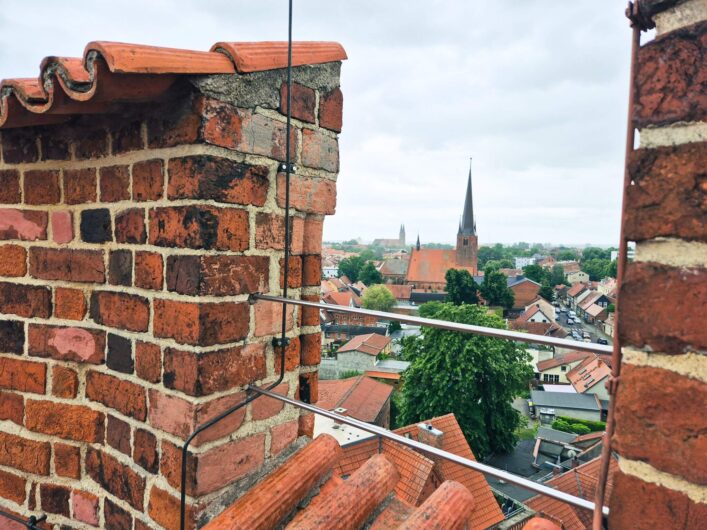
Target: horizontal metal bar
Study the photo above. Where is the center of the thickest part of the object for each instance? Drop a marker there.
(444, 324)
(476, 466)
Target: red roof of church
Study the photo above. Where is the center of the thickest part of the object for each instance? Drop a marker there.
(429, 265)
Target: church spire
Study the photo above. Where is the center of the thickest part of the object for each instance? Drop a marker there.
(417, 245)
(468, 224)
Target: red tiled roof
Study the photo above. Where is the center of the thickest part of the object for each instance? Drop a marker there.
(549, 329)
(526, 315)
(588, 373)
(580, 482)
(576, 289)
(429, 265)
(362, 397)
(590, 299)
(382, 375)
(589, 436)
(400, 292)
(570, 266)
(113, 72)
(372, 344)
(344, 298)
(559, 360)
(595, 310)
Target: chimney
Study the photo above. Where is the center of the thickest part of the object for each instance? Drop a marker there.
(427, 434)
(135, 222)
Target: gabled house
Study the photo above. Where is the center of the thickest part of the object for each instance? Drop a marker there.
(535, 313)
(576, 277)
(593, 307)
(401, 293)
(524, 290)
(546, 307)
(590, 377)
(555, 370)
(394, 270)
(574, 292)
(548, 406)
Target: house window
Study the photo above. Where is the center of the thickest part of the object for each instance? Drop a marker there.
(555, 378)
(564, 368)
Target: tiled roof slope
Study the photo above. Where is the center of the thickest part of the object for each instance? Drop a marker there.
(111, 73)
(372, 344)
(341, 501)
(580, 482)
(362, 397)
(429, 265)
(559, 360)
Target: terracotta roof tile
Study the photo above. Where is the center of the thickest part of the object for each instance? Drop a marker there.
(362, 397)
(429, 265)
(588, 373)
(345, 298)
(400, 292)
(559, 360)
(372, 343)
(114, 72)
(580, 482)
(576, 289)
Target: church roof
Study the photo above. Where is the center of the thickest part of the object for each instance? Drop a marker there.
(467, 226)
(429, 265)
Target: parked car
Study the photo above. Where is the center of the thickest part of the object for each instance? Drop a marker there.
(602, 341)
(572, 314)
(570, 321)
(586, 335)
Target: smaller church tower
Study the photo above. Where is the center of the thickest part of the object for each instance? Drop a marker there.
(467, 240)
(417, 245)
(401, 237)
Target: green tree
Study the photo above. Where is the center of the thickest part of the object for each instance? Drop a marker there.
(557, 276)
(472, 376)
(590, 253)
(495, 289)
(597, 268)
(461, 287)
(351, 267)
(567, 255)
(546, 291)
(504, 263)
(535, 273)
(613, 269)
(378, 298)
(369, 274)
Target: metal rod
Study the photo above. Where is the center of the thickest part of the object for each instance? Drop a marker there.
(409, 442)
(632, 13)
(451, 326)
(30, 524)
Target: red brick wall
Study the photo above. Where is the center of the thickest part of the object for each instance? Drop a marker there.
(660, 405)
(524, 292)
(129, 248)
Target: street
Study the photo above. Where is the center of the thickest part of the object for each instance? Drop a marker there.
(581, 327)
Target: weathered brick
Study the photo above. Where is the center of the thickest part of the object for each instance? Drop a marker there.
(149, 270)
(65, 382)
(9, 186)
(127, 137)
(148, 361)
(80, 185)
(164, 509)
(644, 506)
(294, 278)
(174, 125)
(84, 506)
(55, 499)
(180, 417)
(12, 487)
(120, 267)
(19, 146)
(667, 198)
(303, 99)
(331, 109)
(675, 323)
(311, 270)
(120, 354)
(148, 180)
(130, 226)
(217, 467)
(308, 390)
(54, 146)
(42, 187)
(320, 151)
(265, 407)
(66, 343)
(119, 394)
(114, 183)
(312, 238)
(268, 318)
(96, 226)
(71, 422)
(670, 78)
(656, 424)
(115, 517)
(67, 264)
(69, 303)
(25, 300)
(199, 227)
(67, 460)
(309, 195)
(12, 336)
(270, 232)
(292, 356)
(90, 141)
(216, 178)
(120, 310)
(283, 435)
(118, 479)
(245, 131)
(309, 315)
(12, 407)
(25, 376)
(201, 324)
(145, 451)
(24, 454)
(118, 434)
(199, 374)
(62, 227)
(311, 349)
(25, 225)
(217, 275)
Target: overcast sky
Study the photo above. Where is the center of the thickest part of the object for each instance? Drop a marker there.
(534, 90)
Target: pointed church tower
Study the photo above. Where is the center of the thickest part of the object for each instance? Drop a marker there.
(467, 240)
(417, 245)
(401, 237)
